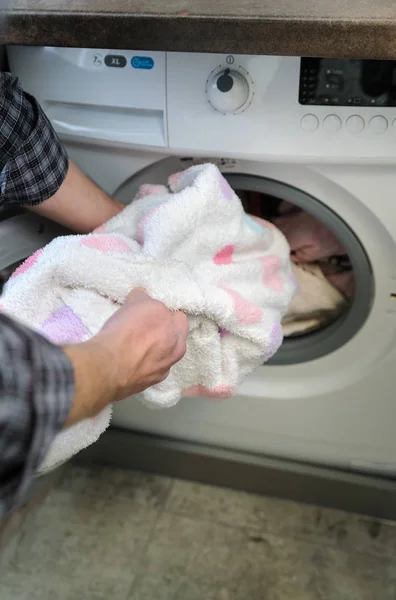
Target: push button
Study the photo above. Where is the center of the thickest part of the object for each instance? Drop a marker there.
(355, 124)
(332, 123)
(142, 62)
(378, 124)
(115, 60)
(309, 123)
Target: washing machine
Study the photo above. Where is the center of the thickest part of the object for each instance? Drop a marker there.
(318, 133)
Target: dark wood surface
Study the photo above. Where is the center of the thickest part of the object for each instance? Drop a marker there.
(339, 28)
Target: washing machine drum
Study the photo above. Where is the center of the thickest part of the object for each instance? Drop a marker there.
(23, 234)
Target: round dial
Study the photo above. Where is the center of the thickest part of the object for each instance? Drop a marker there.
(228, 91)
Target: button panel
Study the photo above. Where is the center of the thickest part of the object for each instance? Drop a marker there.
(354, 124)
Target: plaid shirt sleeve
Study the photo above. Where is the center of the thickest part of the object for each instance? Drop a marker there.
(36, 391)
(36, 377)
(33, 163)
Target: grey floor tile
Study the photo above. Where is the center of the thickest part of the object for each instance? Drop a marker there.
(332, 528)
(107, 534)
(65, 537)
(219, 505)
(238, 564)
(175, 543)
(7, 553)
(307, 571)
(238, 509)
(287, 569)
(155, 586)
(390, 579)
(91, 585)
(228, 555)
(200, 590)
(370, 535)
(142, 489)
(167, 586)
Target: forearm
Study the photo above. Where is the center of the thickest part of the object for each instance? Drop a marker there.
(94, 377)
(79, 204)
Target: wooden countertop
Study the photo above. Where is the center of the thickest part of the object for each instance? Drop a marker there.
(323, 28)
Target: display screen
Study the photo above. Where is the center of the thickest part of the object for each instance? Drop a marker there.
(346, 82)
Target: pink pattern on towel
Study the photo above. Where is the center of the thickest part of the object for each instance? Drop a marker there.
(224, 256)
(106, 243)
(175, 178)
(29, 262)
(272, 278)
(246, 312)
(64, 327)
(221, 391)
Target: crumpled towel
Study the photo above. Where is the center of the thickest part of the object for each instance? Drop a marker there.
(194, 249)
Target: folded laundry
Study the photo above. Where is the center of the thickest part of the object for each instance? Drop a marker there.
(316, 303)
(191, 247)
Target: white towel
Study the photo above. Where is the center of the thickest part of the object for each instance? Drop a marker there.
(191, 247)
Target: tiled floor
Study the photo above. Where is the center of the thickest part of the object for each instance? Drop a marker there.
(119, 535)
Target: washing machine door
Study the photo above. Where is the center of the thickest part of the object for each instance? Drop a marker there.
(21, 235)
(318, 400)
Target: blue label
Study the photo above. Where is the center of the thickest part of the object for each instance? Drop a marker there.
(142, 62)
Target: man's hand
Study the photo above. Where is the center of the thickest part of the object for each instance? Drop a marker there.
(146, 339)
(134, 350)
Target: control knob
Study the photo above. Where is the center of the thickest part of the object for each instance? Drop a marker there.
(228, 91)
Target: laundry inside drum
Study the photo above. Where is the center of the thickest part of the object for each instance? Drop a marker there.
(320, 263)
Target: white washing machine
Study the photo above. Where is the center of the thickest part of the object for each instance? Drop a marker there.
(318, 133)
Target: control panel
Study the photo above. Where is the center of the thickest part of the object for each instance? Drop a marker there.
(282, 107)
(237, 106)
(345, 82)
